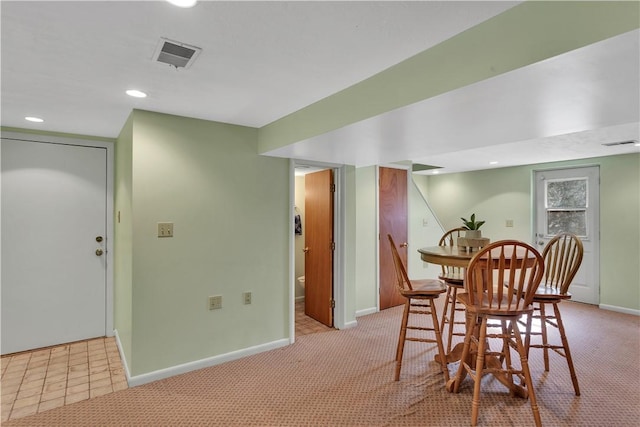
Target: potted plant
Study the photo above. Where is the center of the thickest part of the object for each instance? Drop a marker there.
(472, 226)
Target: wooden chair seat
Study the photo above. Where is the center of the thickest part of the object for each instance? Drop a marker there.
(419, 300)
(496, 308)
(545, 293)
(426, 287)
(452, 279)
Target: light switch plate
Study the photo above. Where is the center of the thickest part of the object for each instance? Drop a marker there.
(246, 297)
(165, 229)
(215, 302)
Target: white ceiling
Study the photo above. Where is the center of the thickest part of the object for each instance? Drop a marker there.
(71, 62)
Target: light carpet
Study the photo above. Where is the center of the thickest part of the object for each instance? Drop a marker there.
(345, 378)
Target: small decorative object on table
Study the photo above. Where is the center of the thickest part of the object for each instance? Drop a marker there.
(472, 239)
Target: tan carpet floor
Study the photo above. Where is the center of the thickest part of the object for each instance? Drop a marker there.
(345, 378)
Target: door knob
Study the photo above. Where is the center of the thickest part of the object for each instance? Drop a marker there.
(99, 252)
(404, 245)
(305, 250)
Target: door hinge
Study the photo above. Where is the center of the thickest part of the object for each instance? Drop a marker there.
(333, 303)
(332, 188)
(333, 246)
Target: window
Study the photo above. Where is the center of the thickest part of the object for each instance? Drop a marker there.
(566, 204)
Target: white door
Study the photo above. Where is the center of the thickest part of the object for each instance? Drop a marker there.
(54, 216)
(569, 200)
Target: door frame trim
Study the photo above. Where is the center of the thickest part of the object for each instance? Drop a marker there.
(86, 142)
(339, 224)
(377, 254)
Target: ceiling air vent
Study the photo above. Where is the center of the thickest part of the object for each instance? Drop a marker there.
(176, 54)
(611, 144)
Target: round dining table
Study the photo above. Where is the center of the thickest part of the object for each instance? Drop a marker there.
(453, 256)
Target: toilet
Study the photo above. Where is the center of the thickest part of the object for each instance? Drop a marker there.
(301, 281)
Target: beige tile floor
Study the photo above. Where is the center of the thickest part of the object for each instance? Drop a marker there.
(306, 325)
(43, 379)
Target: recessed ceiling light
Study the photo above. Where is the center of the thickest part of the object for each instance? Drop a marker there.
(183, 3)
(136, 93)
(34, 119)
(493, 163)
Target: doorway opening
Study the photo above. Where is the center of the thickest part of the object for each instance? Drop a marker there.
(315, 248)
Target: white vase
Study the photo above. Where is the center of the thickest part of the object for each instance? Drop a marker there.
(473, 234)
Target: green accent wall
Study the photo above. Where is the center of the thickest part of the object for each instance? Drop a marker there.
(500, 194)
(525, 34)
(230, 209)
(123, 235)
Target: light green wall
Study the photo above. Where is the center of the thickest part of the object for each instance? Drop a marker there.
(366, 239)
(424, 230)
(230, 209)
(620, 231)
(525, 34)
(499, 194)
(123, 245)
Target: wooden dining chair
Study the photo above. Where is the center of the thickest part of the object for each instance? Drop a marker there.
(500, 283)
(562, 259)
(453, 278)
(419, 301)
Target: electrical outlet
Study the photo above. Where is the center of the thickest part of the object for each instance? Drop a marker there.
(246, 296)
(508, 223)
(165, 229)
(215, 302)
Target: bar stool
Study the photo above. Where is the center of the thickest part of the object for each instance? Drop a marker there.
(500, 282)
(419, 296)
(562, 259)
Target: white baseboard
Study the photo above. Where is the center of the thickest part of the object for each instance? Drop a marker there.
(351, 324)
(366, 311)
(619, 309)
(202, 363)
(122, 358)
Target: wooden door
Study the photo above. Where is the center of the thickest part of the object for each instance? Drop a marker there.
(319, 246)
(392, 201)
(569, 200)
(53, 214)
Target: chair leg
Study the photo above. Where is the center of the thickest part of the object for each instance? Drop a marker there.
(506, 353)
(545, 342)
(525, 370)
(454, 384)
(475, 404)
(401, 338)
(567, 352)
(443, 355)
(452, 317)
(444, 310)
(527, 338)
